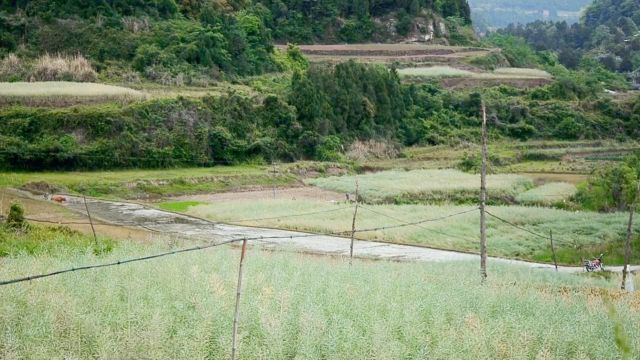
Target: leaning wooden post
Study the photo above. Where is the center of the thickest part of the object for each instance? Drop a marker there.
(236, 316)
(483, 198)
(627, 245)
(95, 238)
(353, 225)
(553, 250)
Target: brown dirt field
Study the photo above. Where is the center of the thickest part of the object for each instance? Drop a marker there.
(306, 193)
(465, 83)
(388, 53)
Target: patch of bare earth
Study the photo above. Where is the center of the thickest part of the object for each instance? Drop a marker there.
(299, 193)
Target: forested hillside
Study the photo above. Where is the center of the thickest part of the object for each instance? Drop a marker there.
(609, 32)
(494, 14)
(196, 41)
(322, 111)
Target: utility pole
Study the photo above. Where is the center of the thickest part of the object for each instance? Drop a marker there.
(236, 315)
(353, 225)
(483, 198)
(553, 250)
(627, 245)
(95, 238)
(274, 179)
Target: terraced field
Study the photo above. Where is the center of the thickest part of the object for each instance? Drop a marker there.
(405, 54)
(64, 93)
(450, 65)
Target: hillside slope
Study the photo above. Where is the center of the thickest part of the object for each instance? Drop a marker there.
(196, 41)
(494, 14)
(609, 33)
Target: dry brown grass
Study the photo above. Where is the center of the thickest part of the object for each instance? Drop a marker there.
(63, 68)
(371, 149)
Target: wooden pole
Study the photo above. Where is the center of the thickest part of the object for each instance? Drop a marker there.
(627, 245)
(274, 179)
(95, 238)
(236, 316)
(553, 250)
(353, 225)
(483, 198)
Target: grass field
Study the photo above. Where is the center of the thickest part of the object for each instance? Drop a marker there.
(297, 306)
(577, 235)
(547, 194)
(562, 157)
(449, 71)
(62, 93)
(152, 183)
(436, 72)
(425, 186)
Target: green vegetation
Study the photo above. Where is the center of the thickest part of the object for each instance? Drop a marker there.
(179, 206)
(297, 306)
(425, 186)
(15, 218)
(607, 34)
(577, 235)
(614, 188)
(187, 42)
(321, 112)
(64, 93)
(58, 241)
(549, 194)
(492, 14)
(149, 183)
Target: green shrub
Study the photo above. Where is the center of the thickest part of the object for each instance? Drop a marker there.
(15, 218)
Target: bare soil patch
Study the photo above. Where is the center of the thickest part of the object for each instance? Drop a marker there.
(465, 83)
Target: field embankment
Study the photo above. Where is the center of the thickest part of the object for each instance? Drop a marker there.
(405, 54)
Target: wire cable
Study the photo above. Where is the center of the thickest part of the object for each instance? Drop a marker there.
(289, 216)
(405, 224)
(416, 225)
(516, 226)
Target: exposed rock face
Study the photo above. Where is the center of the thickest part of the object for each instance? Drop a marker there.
(426, 28)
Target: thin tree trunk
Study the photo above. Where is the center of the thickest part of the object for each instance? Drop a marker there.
(236, 315)
(353, 225)
(483, 198)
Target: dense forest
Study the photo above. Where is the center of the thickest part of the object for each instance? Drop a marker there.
(312, 112)
(202, 40)
(322, 110)
(609, 32)
(494, 14)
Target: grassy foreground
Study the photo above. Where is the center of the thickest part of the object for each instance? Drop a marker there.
(296, 306)
(577, 235)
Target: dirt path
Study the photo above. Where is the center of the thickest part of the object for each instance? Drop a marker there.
(170, 223)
